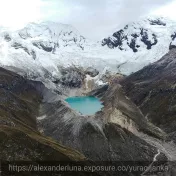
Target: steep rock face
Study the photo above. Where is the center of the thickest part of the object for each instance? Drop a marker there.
(153, 90)
(72, 77)
(173, 43)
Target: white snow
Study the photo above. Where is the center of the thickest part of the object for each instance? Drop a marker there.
(71, 48)
(41, 117)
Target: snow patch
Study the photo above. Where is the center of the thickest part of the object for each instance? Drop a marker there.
(41, 117)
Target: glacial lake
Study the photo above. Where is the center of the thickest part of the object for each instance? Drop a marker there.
(86, 105)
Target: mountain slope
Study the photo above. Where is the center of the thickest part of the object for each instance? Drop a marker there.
(19, 138)
(153, 90)
(24, 103)
(109, 135)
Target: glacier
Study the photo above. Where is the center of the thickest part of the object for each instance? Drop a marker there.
(38, 51)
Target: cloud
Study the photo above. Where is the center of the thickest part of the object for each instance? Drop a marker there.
(168, 10)
(93, 18)
(97, 18)
(132, 10)
(16, 13)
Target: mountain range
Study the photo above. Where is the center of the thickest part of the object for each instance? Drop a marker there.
(42, 48)
(132, 72)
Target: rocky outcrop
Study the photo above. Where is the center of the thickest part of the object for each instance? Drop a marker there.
(132, 45)
(72, 77)
(172, 46)
(7, 37)
(108, 77)
(173, 43)
(157, 22)
(46, 46)
(145, 39)
(116, 40)
(91, 71)
(20, 46)
(99, 92)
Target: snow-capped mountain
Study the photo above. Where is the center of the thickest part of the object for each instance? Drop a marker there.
(136, 35)
(147, 39)
(39, 50)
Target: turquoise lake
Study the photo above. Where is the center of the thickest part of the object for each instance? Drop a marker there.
(85, 105)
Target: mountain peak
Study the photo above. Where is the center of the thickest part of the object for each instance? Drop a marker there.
(144, 33)
(49, 28)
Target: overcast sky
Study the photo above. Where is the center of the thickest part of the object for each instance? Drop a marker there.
(93, 18)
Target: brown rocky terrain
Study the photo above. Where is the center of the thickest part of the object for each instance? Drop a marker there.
(119, 132)
(109, 135)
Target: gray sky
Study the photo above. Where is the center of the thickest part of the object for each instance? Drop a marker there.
(93, 18)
